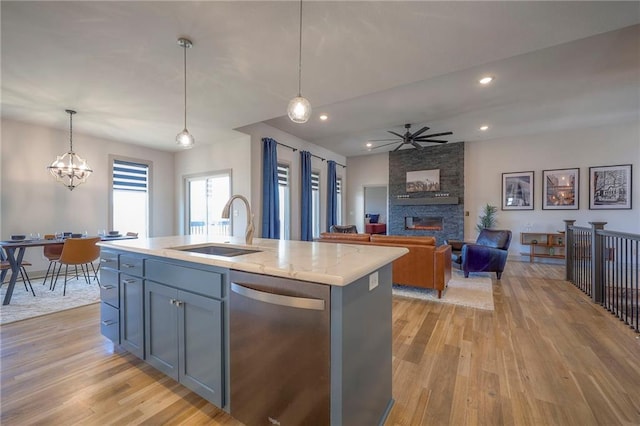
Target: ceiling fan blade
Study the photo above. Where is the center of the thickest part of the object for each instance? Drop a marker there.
(386, 144)
(431, 140)
(383, 140)
(419, 132)
(398, 147)
(416, 145)
(435, 134)
(397, 134)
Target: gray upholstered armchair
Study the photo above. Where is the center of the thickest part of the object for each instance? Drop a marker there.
(487, 254)
(344, 229)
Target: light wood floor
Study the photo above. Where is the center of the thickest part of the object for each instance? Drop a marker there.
(545, 356)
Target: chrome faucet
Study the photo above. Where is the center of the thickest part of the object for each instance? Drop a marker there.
(226, 212)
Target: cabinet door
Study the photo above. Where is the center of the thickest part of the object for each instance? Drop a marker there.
(200, 332)
(132, 314)
(161, 328)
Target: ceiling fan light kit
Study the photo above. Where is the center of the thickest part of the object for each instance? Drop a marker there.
(412, 139)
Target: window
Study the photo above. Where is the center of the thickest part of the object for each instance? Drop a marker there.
(130, 197)
(315, 204)
(284, 195)
(206, 197)
(339, 201)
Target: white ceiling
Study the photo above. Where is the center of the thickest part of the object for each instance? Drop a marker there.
(371, 66)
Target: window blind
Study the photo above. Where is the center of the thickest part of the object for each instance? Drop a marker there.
(128, 176)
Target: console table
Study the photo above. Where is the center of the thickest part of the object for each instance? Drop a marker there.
(375, 228)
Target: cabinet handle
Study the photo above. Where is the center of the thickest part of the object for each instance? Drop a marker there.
(105, 260)
(172, 301)
(108, 322)
(129, 280)
(107, 287)
(279, 299)
(128, 265)
(179, 303)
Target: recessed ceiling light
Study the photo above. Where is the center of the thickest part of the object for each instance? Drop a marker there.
(324, 117)
(369, 145)
(483, 128)
(486, 80)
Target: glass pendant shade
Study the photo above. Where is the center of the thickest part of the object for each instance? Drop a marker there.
(69, 168)
(299, 109)
(185, 139)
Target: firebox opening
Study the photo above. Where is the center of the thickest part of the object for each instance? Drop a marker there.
(423, 223)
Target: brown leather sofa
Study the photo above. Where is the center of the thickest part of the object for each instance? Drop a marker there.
(425, 265)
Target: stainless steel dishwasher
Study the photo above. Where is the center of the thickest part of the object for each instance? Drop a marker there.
(279, 350)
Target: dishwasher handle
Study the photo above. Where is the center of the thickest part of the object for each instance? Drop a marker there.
(279, 299)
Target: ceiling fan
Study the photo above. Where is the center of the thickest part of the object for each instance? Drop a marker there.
(412, 139)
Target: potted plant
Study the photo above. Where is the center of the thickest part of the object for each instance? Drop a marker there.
(487, 219)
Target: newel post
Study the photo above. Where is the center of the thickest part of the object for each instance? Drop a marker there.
(568, 249)
(597, 279)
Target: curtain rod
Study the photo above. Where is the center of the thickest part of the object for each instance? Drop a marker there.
(313, 155)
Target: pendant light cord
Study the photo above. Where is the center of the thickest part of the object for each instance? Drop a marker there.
(185, 85)
(70, 132)
(300, 55)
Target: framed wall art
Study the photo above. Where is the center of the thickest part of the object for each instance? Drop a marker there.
(517, 191)
(610, 187)
(423, 180)
(560, 189)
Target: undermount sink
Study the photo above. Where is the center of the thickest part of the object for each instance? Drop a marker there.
(218, 250)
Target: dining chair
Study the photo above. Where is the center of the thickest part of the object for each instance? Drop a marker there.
(4, 265)
(52, 253)
(77, 251)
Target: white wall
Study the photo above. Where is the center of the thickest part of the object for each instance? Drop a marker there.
(233, 155)
(288, 156)
(580, 148)
(486, 161)
(32, 201)
(367, 170)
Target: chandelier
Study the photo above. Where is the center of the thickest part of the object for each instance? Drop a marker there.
(69, 169)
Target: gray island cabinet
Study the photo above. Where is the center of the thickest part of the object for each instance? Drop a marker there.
(293, 333)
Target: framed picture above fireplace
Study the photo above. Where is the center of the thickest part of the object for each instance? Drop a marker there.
(423, 180)
(517, 191)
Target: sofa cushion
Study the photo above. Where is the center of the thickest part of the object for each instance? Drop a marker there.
(344, 237)
(401, 239)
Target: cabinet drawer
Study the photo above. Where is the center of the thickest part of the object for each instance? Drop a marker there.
(108, 259)
(109, 322)
(131, 265)
(109, 287)
(207, 283)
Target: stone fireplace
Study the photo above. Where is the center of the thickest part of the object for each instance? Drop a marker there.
(430, 213)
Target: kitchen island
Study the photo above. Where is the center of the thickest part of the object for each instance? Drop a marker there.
(279, 332)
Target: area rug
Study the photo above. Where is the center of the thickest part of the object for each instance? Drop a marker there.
(474, 292)
(23, 305)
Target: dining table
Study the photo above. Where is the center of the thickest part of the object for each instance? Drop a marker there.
(14, 252)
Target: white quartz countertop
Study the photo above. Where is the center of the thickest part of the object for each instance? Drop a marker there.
(326, 263)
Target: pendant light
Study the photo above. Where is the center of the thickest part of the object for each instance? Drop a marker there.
(70, 169)
(184, 138)
(299, 109)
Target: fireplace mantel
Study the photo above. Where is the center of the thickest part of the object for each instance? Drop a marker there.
(424, 201)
